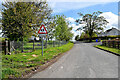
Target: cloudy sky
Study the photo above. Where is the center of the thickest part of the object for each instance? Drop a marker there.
(72, 7)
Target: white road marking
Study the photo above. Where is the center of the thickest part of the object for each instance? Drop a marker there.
(92, 73)
(61, 67)
(50, 67)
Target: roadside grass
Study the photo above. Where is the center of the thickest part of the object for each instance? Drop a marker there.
(18, 65)
(109, 49)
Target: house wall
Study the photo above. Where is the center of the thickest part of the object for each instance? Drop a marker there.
(112, 32)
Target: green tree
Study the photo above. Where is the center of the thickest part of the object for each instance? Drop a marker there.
(21, 20)
(86, 35)
(16, 20)
(62, 31)
(0, 20)
(43, 16)
(79, 29)
(77, 37)
(51, 27)
(94, 23)
(82, 35)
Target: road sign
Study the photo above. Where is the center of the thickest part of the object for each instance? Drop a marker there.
(42, 30)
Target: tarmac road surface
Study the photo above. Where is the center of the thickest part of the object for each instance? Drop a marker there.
(83, 61)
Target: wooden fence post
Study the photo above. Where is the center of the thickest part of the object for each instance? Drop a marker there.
(22, 47)
(53, 44)
(6, 46)
(108, 43)
(9, 46)
(102, 43)
(33, 44)
(105, 43)
(58, 43)
(113, 44)
(118, 44)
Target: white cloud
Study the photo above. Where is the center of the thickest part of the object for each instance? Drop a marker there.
(66, 5)
(70, 19)
(75, 27)
(52, 4)
(112, 19)
(83, 0)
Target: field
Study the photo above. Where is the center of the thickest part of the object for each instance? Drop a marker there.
(18, 65)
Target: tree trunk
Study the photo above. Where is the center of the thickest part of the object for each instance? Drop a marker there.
(90, 39)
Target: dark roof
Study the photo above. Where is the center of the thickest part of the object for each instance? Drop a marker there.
(110, 29)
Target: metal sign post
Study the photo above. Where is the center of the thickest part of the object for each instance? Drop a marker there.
(42, 44)
(42, 31)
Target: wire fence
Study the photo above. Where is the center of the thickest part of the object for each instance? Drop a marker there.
(14, 47)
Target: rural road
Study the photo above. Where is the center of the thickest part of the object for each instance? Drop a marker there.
(83, 61)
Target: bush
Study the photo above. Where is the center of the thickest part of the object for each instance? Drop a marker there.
(9, 71)
(77, 38)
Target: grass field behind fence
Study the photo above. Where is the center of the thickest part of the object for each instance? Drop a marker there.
(16, 47)
(38, 45)
(20, 64)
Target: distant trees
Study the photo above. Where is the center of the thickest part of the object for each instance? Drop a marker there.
(0, 19)
(62, 31)
(79, 29)
(86, 35)
(0, 22)
(77, 37)
(93, 23)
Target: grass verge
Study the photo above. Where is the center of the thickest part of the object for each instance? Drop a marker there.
(114, 50)
(20, 64)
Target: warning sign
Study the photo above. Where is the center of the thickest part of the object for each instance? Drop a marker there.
(42, 30)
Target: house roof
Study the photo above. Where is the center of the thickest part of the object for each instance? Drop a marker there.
(111, 29)
(107, 31)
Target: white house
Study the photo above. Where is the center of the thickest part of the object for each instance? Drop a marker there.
(33, 37)
(112, 31)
